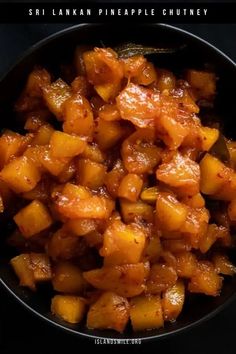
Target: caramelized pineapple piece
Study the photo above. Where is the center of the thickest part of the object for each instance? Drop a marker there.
(146, 312)
(90, 174)
(20, 175)
(119, 239)
(182, 173)
(130, 187)
(139, 105)
(78, 116)
(55, 96)
(125, 280)
(173, 301)
(64, 145)
(110, 311)
(67, 278)
(171, 214)
(205, 279)
(161, 278)
(70, 308)
(33, 218)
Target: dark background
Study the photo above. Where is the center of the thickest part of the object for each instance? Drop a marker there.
(23, 333)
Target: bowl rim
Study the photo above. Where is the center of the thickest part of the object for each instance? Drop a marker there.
(43, 317)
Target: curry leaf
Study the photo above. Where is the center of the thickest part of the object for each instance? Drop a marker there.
(127, 50)
(220, 149)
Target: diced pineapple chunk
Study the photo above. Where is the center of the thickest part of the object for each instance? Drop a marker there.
(139, 210)
(207, 240)
(125, 280)
(55, 96)
(114, 177)
(119, 239)
(185, 264)
(227, 191)
(90, 174)
(148, 75)
(171, 214)
(203, 82)
(77, 202)
(223, 265)
(34, 120)
(214, 174)
(139, 105)
(41, 267)
(153, 249)
(70, 308)
(149, 195)
(37, 80)
(109, 112)
(63, 245)
(209, 136)
(93, 153)
(166, 80)
(195, 201)
(108, 91)
(33, 218)
(161, 278)
(173, 125)
(81, 227)
(20, 175)
(22, 267)
(176, 245)
(146, 312)
(32, 268)
(67, 278)
(43, 135)
(102, 66)
(65, 145)
(173, 301)
(78, 116)
(139, 152)
(108, 134)
(11, 145)
(110, 311)
(52, 164)
(182, 173)
(130, 187)
(205, 279)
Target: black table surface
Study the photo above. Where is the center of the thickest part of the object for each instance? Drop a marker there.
(20, 331)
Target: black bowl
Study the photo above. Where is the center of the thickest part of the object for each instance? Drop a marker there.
(57, 49)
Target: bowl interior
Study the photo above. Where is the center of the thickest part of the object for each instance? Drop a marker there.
(58, 49)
